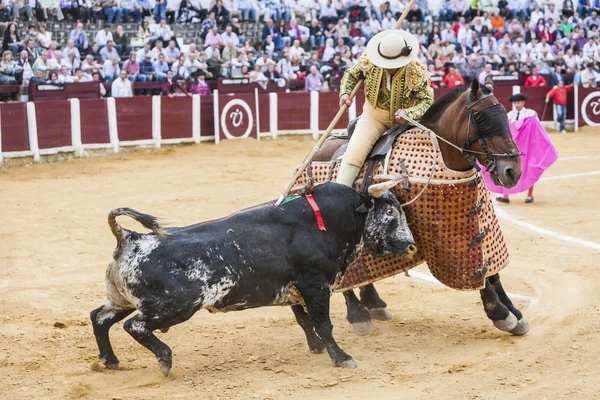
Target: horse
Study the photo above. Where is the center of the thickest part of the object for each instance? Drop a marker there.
(473, 127)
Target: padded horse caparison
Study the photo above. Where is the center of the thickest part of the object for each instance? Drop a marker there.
(380, 149)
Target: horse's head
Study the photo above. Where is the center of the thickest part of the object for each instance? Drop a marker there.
(489, 137)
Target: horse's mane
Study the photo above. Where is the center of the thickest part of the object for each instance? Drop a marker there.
(440, 105)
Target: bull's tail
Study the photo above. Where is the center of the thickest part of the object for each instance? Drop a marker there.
(148, 221)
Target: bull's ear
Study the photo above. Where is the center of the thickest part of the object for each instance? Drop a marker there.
(366, 203)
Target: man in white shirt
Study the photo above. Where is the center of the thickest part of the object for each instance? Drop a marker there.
(158, 49)
(448, 34)
(229, 35)
(589, 49)
(121, 87)
(297, 51)
(64, 76)
(141, 53)
(163, 31)
(543, 46)
(109, 51)
(71, 46)
(264, 62)
(519, 47)
(519, 111)
(535, 16)
(111, 69)
(388, 22)
(103, 36)
(329, 50)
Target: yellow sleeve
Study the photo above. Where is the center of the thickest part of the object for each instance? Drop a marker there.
(354, 74)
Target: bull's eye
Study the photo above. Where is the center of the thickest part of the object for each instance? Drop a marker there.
(390, 211)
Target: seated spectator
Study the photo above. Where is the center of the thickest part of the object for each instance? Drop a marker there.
(79, 37)
(192, 64)
(26, 71)
(328, 14)
(109, 51)
(329, 51)
(171, 53)
(221, 14)
(171, 88)
(132, 11)
(42, 63)
(228, 36)
(189, 13)
(274, 76)
(163, 32)
(103, 36)
(64, 76)
(248, 10)
(589, 76)
(568, 8)
(297, 51)
(80, 76)
(199, 85)
(356, 33)
(44, 38)
(132, 68)
(453, 79)
(236, 65)
(230, 52)
(214, 65)
(213, 37)
(296, 30)
(446, 11)
(72, 61)
(38, 77)
(160, 67)
(121, 40)
(141, 53)
(358, 48)
(147, 69)
(497, 21)
(22, 7)
(94, 51)
(369, 29)
(89, 65)
(9, 69)
(111, 69)
(208, 24)
(54, 80)
(314, 80)
(144, 34)
(122, 87)
(535, 80)
(11, 41)
(157, 50)
(263, 62)
(112, 11)
(179, 69)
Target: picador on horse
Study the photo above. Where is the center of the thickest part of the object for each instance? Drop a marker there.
(448, 205)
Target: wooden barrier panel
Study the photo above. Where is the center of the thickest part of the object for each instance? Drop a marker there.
(264, 112)
(176, 117)
(293, 111)
(207, 120)
(589, 106)
(328, 108)
(14, 127)
(94, 121)
(38, 92)
(237, 116)
(53, 123)
(134, 118)
(536, 100)
(83, 90)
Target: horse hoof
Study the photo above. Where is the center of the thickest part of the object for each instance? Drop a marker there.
(363, 328)
(112, 366)
(164, 330)
(508, 324)
(346, 364)
(521, 328)
(164, 368)
(381, 314)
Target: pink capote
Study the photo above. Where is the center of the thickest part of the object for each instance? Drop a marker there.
(540, 154)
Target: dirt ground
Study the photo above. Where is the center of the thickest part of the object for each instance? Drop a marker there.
(55, 244)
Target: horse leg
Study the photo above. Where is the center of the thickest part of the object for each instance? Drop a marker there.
(377, 307)
(499, 313)
(357, 314)
(522, 324)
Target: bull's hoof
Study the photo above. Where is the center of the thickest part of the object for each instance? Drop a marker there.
(164, 330)
(508, 324)
(346, 364)
(521, 328)
(381, 314)
(317, 349)
(363, 328)
(165, 367)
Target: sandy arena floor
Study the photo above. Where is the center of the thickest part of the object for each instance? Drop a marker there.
(55, 244)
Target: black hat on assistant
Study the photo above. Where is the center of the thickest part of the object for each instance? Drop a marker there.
(517, 97)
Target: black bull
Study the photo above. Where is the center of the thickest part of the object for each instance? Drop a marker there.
(258, 257)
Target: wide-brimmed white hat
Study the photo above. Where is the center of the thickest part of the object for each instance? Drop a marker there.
(392, 49)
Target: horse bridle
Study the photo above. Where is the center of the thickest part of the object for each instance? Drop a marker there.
(483, 103)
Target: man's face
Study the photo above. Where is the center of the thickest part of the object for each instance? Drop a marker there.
(519, 104)
(172, 45)
(161, 58)
(169, 74)
(79, 73)
(123, 74)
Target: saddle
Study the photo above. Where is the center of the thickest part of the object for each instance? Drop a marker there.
(378, 153)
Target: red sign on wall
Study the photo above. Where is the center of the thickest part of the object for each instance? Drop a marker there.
(237, 117)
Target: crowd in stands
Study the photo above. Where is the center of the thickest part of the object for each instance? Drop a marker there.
(304, 43)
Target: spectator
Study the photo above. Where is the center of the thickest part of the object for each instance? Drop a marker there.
(109, 51)
(94, 51)
(230, 52)
(213, 37)
(26, 70)
(314, 80)
(316, 34)
(172, 53)
(559, 95)
(42, 63)
(485, 73)
(20, 7)
(237, 63)
(64, 76)
(38, 77)
(446, 13)
(84, 11)
(147, 69)
(11, 39)
(592, 20)
(295, 31)
(535, 80)
(248, 10)
(79, 37)
(89, 65)
(172, 88)
(121, 41)
(179, 69)
(111, 69)
(329, 51)
(589, 76)
(163, 32)
(497, 21)
(358, 48)
(557, 76)
(80, 76)
(160, 10)
(69, 7)
(132, 11)
(263, 63)
(111, 11)
(122, 87)
(9, 69)
(208, 24)
(44, 38)
(157, 50)
(228, 36)
(132, 68)
(199, 85)
(328, 14)
(192, 64)
(221, 14)
(214, 65)
(189, 13)
(144, 34)
(297, 51)
(568, 8)
(160, 67)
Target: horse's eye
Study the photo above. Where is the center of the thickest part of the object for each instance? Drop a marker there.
(389, 211)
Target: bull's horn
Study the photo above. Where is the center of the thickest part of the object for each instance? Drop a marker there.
(377, 190)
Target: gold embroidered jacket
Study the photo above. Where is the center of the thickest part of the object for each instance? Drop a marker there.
(411, 89)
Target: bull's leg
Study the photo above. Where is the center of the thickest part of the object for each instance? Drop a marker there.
(500, 315)
(357, 314)
(377, 307)
(140, 328)
(103, 318)
(316, 294)
(522, 324)
(315, 344)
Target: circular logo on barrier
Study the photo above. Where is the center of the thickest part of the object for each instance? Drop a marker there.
(590, 109)
(236, 119)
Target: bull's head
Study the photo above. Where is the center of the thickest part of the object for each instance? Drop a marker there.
(386, 227)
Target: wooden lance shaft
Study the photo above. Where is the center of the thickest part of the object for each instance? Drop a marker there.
(333, 123)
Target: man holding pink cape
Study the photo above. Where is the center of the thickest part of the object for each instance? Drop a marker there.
(532, 139)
